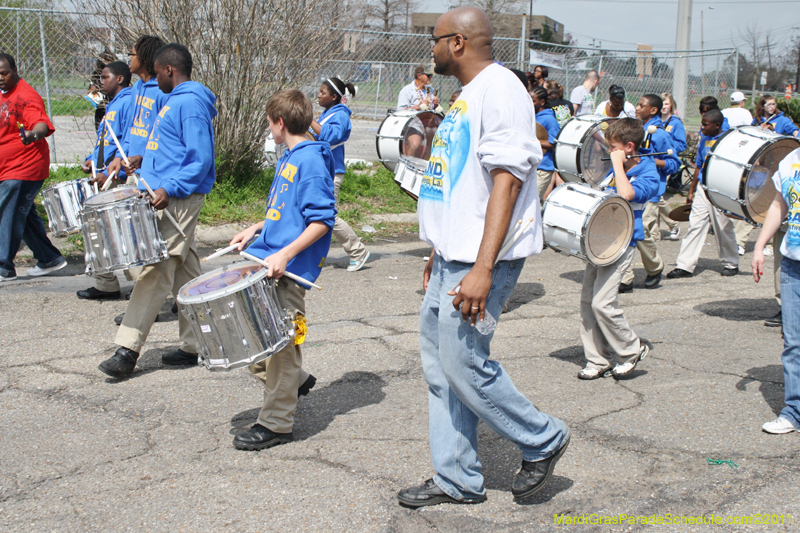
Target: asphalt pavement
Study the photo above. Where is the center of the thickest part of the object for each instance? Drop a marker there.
(82, 452)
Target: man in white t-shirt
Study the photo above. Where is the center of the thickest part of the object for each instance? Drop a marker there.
(736, 114)
(481, 176)
(786, 205)
(581, 96)
(616, 105)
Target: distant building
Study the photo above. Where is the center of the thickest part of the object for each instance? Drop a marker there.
(504, 26)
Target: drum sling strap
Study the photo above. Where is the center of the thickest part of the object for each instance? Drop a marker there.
(324, 120)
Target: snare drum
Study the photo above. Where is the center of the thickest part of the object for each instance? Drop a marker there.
(579, 148)
(595, 225)
(63, 203)
(407, 132)
(408, 174)
(737, 173)
(120, 231)
(235, 316)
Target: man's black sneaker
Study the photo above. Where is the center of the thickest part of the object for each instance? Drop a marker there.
(121, 364)
(259, 437)
(429, 493)
(533, 475)
(729, 271)
(94, 294)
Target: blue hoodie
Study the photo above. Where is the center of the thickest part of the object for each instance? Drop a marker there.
(661, 141)
(118, 113)
(335, 130)
(301, 193)
(547, 118)
(674, 126)
(146, 101)
(180, 153)
(703, 147)
(645, 180)
(782, 123)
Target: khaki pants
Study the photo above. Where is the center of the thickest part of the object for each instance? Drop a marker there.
(282, 372)
(663, 214)
(155, 282)
(605, 333)
(777, 240)
(742, 230)
(543, 179)
(342, 230)
(703, 216)
(647, 248)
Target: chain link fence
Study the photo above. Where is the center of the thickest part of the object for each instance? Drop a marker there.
(59, 62)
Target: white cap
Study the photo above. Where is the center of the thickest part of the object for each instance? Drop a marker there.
(737, 96)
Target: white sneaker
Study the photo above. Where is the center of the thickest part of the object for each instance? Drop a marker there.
(358, 265)
(7, 278)
(627, 367)
(741, 250)
(36, 271)
(673, 235)
(767, 251)
(778, 426)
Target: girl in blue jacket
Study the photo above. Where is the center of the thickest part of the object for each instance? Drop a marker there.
(333, 127)
(547, 118)
(768, 116)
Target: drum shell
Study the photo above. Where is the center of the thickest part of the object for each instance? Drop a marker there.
(569, 214)
(392, 132)
(120, 235)
(237, 328)
(63, 203)
(729, 169)
(572, 149)
(409, 173)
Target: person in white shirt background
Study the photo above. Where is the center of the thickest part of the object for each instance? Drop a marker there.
(415, 95)
(616, 105)
(736, 114)
(581, 95)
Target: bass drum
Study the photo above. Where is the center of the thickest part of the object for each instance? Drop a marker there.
(407, 132)
(737, 173)
(579, 148)
(595, 225)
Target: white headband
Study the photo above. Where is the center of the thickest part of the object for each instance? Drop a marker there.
(334, 87)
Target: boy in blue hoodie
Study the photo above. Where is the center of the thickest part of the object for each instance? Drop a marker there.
(115, 80)
(648, 110)
(295, 237)
(179, 166)
(605, 333)
(704, 215)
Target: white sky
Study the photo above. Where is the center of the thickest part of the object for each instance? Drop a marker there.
(624, 23)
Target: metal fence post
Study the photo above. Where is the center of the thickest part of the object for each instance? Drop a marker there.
(17, 56)
(377, 92)
(736, 69)
(716, 80)
(47, 84)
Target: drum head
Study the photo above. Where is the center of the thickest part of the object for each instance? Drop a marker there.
(594, 148)
(759, 191)
(114, 195)
(227, 280)
(407, 133)
(609, 231)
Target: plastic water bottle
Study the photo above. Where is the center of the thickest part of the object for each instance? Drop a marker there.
(487, 325)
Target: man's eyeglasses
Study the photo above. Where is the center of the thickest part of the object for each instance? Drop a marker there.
(132, 54)
(433, 39)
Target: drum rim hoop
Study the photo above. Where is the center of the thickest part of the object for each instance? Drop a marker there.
(578, 149)
(191, 299)
(590, 216)
(379, 138)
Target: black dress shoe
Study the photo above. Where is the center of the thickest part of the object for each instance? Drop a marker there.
(307, 385)
(175, 308)
(94, 294)
(429, 493)
(774, 322)
(626, 287)
(118, 319)
(728, 271)
(651, 282)
(260, 438)
(533, 475)
(179, 358)
(121, 364)
(679, 273)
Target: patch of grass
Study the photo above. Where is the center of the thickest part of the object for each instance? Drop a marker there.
(238, 200)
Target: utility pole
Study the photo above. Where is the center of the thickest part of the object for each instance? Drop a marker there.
(680, 81)
(702, 58)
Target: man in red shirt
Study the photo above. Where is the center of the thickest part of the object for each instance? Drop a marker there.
(24, 165)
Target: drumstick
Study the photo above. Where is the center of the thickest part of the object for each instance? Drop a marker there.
(107, 184)
(668, 152)
(228, 249)
(516, 235)
(289, 275)
(127, 162)
(510, 234)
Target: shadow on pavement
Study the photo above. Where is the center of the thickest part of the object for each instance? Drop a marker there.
(770, 384)
(316, 411)
(524, 293)
(743, 310)
(574, 275)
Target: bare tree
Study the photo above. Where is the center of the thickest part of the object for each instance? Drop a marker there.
(388, 15)
(243, 50)
(496, 9)
(751, 35)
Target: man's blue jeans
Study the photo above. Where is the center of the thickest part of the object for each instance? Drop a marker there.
(19, 222)
(790, 313)
(464, 385)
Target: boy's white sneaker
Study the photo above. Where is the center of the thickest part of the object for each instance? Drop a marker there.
(779, 425)
(36, 271)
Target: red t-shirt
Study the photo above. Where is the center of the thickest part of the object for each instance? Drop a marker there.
(19, 162)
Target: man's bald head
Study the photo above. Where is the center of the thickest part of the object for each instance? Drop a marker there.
(462, 43)
(471, 22)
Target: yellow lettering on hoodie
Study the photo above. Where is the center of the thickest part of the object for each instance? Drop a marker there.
(163, 111)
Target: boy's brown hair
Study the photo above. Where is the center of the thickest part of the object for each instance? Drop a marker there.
(626, 130)
(293, 107)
